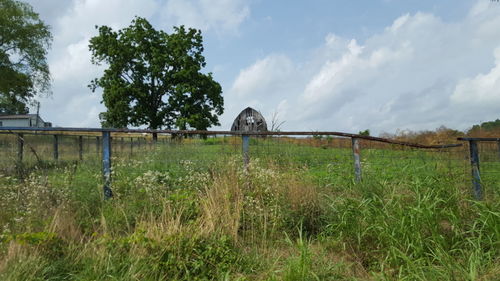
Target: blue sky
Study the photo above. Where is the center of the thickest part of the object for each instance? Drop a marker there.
(385, 65)
(298, 27)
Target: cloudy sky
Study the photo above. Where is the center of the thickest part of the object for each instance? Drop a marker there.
(383, 65)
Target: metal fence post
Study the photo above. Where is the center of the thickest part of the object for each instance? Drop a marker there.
(20, 147)
(80, 148)
(56, 147)
(106, 163)
(245, 148)
(476, 175)
(357, 159)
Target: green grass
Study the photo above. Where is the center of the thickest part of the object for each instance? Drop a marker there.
(189, 211)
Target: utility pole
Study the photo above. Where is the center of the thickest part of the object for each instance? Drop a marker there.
(37, 113)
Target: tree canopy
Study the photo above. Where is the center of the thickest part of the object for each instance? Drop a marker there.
(24, 41)
(364, 133)
(486, 126)
(154, 78)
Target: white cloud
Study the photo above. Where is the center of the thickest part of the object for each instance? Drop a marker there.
(263, 77)
(73, 24)
(50, 10)
(69, 59)
(82, 18)
(76, 60)
(482, 90)
(221, 15)
(263, 86)
(418, 73)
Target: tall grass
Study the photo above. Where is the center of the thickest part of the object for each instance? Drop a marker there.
(277, 220)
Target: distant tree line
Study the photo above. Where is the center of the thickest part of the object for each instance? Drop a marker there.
(488, 126)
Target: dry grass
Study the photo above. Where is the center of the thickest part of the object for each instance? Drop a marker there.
(65, 225)
(221, 205)
(167, 224)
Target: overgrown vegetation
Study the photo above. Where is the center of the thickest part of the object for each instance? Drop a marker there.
(199, 215)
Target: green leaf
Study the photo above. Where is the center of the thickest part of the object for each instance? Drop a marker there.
(154, 78)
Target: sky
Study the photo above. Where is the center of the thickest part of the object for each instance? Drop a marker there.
(317, 65)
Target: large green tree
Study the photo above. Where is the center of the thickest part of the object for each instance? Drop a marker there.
(24, 41)
(154, 78)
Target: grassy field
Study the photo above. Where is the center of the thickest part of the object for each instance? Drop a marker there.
(190, 211)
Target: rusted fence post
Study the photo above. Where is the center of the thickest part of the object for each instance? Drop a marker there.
(106, 163)
(476, 175)
(245, 147)
(20, 147)
(56, 147)
(80, 148)
(357, 159)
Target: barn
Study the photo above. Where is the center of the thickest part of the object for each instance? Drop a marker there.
(249, 120)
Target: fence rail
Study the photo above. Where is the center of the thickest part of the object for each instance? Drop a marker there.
(233, 133)
(358, 148)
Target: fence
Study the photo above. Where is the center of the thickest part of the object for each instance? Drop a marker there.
(355, 157)
(484, 152)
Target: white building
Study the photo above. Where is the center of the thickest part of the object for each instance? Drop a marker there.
(23, 120)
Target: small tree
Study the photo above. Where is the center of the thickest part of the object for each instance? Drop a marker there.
(276, 123)
(24, 72)
(154, 78)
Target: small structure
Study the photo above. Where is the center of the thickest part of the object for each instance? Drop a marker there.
(249, 120)
(23, 120)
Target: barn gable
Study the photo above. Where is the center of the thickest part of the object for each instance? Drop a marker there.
(249, 120)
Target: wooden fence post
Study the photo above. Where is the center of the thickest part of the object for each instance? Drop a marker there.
(357, 159)
(476, 175)
(80, 148)
(106, 163)
(56, 147)
(245, 149)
